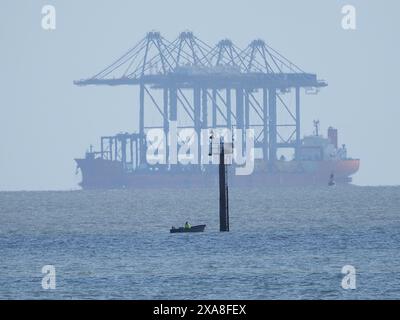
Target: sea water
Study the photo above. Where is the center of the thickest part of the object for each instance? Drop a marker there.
(284, 243)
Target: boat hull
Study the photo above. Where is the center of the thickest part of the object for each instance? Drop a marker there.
(99, 173)
(199, 228)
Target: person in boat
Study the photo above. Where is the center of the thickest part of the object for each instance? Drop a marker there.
(187, 225)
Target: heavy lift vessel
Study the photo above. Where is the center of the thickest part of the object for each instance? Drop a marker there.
(199, 86)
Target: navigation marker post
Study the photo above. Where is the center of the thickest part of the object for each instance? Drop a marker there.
(224, 148)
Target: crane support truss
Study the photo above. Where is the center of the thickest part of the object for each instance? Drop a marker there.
(213, 86)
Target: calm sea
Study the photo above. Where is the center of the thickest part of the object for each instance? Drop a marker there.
(285, 243)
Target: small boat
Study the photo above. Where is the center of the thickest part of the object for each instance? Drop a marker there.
(199, 228)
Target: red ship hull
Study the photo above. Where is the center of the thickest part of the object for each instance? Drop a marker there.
(100, 173)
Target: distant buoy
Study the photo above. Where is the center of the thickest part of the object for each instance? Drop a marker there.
(331, 180)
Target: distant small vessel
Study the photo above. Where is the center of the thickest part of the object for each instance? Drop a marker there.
(199, 228)
(331, 180)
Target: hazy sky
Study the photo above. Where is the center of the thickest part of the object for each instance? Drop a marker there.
(46, 121)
